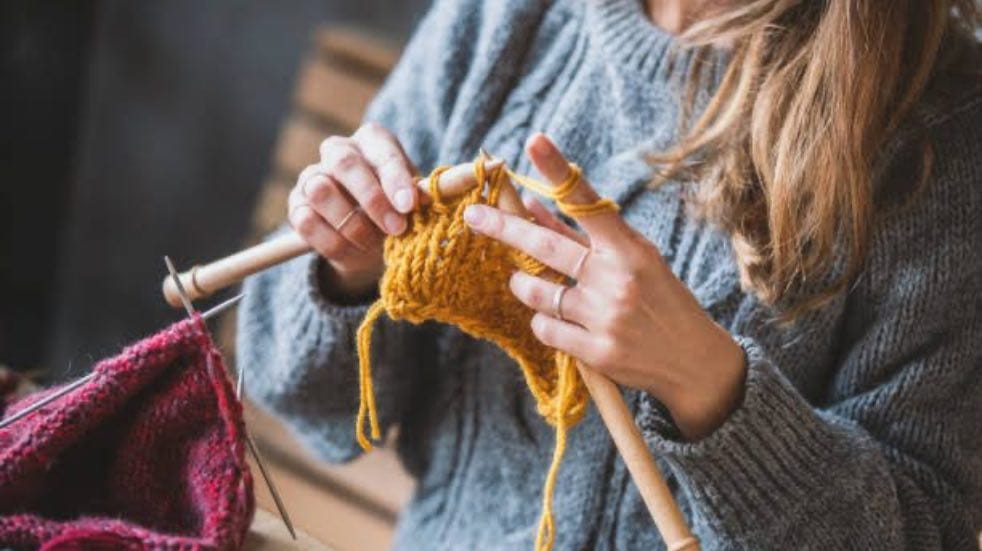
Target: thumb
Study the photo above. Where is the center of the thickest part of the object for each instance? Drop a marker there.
(547, 158)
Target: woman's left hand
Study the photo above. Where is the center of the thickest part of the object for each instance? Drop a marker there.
(627, 316)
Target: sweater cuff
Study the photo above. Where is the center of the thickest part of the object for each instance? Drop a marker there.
(765, 464)
(313, 286)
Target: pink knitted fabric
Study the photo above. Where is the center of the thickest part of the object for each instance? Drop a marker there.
(147, 455)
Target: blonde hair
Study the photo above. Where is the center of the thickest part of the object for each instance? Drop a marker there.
(784, 152)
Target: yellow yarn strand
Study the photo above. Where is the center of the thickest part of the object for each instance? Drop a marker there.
(561, 192)
(366, 404)
(439, 269)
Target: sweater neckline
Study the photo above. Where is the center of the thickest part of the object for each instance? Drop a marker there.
(632, 41)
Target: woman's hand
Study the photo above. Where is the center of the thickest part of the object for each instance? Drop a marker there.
(345, 205)
(627, 316)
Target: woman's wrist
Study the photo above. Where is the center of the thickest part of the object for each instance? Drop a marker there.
(705, 403)
(346, 288)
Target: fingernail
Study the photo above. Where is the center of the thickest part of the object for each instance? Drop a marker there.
(404, 200)
(394, 223)
(474, 215)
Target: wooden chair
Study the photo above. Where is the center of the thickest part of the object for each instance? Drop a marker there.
(353, 506)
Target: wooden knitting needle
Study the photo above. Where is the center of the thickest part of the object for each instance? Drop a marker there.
(640, 463)
(202, 281)
(607, 397)
(630, 444)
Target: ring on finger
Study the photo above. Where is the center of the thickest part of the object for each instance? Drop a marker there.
(557, 301)
(578, 268)
(347, 218)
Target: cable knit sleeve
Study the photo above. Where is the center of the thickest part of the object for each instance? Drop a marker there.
(890, 457)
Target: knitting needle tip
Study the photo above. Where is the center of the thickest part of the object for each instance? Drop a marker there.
(223, 306)
(277, 500)
(46, 400)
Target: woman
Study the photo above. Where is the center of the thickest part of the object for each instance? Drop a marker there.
(791, 293)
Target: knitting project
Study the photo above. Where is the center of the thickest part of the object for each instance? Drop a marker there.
(149, 454)
(439, 269)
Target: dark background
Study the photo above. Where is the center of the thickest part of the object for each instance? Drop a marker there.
(131, 130)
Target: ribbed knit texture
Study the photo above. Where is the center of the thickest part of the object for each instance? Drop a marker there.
(147, 455)
(858, 428)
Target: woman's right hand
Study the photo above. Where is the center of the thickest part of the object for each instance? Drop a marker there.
(345, 205)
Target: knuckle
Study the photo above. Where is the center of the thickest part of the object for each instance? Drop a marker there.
(535, 296)
(391, 164)
(606, 354)
(331, 144)
(304, 221)
(375, 201)
(317, 190)
(494, 224)
(626, 289)
(370, 128)
(345, 159)
(307, 172)
(544, 245)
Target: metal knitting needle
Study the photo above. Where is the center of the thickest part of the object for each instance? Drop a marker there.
(180, 288)
(79, 382)
(40, 404)
(253, 449)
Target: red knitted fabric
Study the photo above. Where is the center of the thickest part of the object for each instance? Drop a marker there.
(147, 455)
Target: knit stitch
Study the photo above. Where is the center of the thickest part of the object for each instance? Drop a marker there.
(146, 455)
(858, 427)
(440, 270)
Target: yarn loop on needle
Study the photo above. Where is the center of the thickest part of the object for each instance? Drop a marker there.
(439, 269)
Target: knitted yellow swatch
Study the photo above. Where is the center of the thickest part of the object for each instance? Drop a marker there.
(439, 269)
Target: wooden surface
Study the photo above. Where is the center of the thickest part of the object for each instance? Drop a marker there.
(268, 534)
(351, 507)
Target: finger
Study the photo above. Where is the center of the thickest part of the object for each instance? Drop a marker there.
(335, 207)
(455, 181)
(510, 202)
(540, 295)
(314, 229)
(553, 249)
(568, 337)
(544, 217)
(307, 173)
(555, 168)
(347, 165)
(394, 169)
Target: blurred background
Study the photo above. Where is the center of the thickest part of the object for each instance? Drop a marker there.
(135, 129)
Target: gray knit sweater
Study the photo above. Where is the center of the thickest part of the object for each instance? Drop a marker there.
(860, 424)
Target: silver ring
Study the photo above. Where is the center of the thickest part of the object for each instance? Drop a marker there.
(557, 302)
(575, 274)
(347, 218)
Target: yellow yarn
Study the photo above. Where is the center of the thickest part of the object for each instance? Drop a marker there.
(439, 269)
